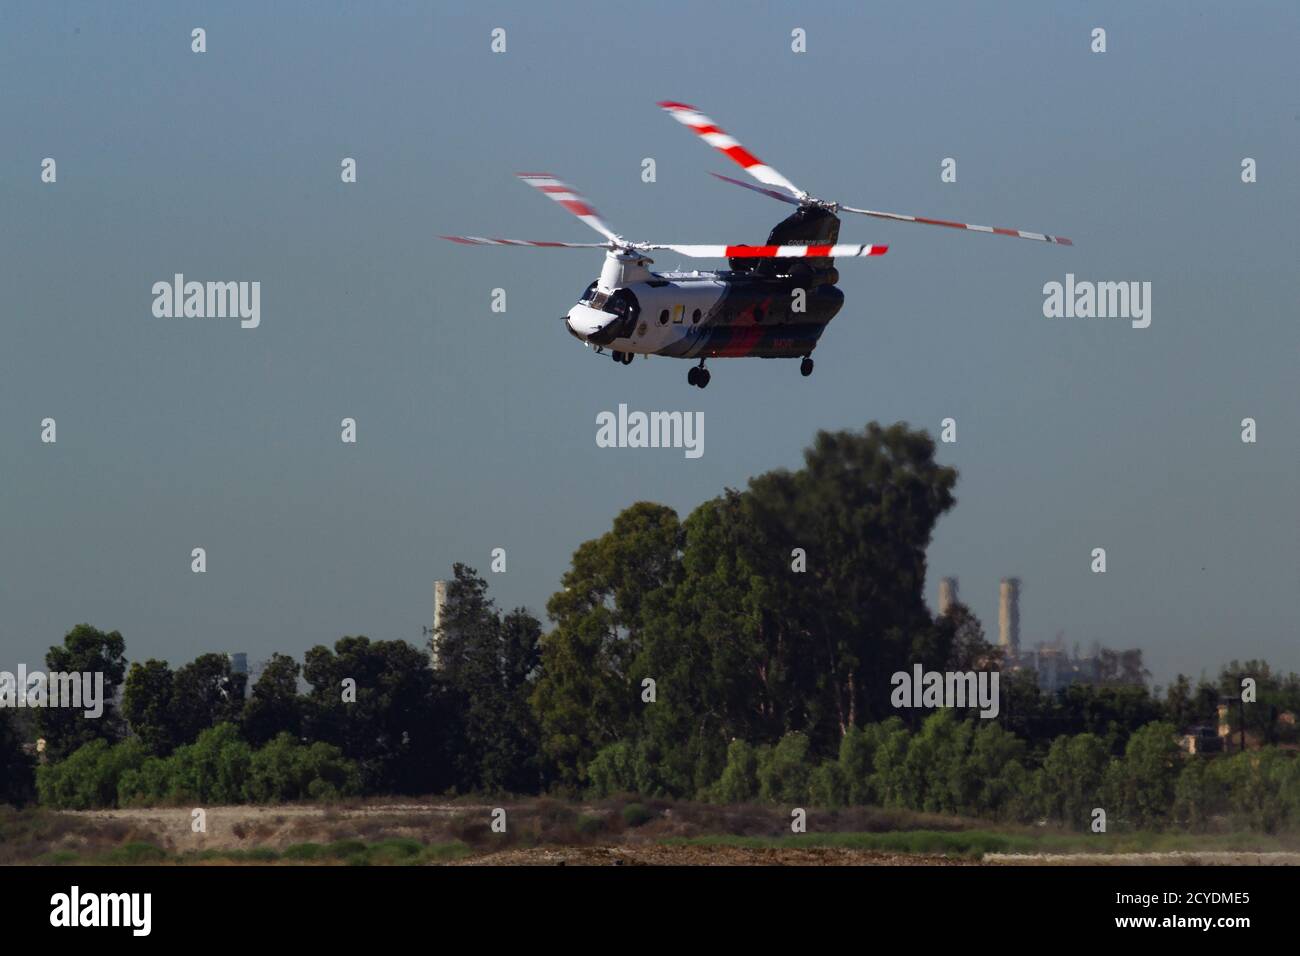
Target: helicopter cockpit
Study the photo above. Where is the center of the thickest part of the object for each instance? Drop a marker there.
(602, 317)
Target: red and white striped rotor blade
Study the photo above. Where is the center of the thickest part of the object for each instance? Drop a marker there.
(1017, 233)
(570, 199)
(759, 189)
(724, 142)
(772, 252)
(481, 241)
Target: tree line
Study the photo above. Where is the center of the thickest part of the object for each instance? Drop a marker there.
(744, 652)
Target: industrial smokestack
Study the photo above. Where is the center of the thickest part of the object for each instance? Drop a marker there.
(947, 595)
(435, 639)
(1009, 615)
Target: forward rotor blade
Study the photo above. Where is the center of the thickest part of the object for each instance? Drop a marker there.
(570, 199)
(771, 252)
(480, 241)
(1017, 233)
(725, 143)
(759, 189)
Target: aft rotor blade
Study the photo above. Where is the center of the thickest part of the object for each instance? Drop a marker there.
(771, 252)
(480, 241)
(570, 199)
(1017, 233)
(759, 189)
(727, 144)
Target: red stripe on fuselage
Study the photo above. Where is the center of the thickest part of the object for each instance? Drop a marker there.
(742, 342)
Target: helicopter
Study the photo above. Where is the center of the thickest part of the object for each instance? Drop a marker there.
(774, 301)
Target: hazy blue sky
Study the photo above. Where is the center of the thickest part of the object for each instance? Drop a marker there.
(477, 430)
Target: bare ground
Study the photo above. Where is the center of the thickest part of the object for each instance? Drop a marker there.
(544, 832)
(651, 854)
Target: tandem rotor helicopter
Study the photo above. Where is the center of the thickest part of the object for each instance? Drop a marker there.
(774, 302)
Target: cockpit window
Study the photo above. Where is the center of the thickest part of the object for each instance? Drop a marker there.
(598, 300)
(588, 293)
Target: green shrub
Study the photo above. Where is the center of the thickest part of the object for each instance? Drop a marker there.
(827, 786)
(636, 814)
(784, 772)
(613, 770)
(88, 778)
(739, 782)
(304, 851)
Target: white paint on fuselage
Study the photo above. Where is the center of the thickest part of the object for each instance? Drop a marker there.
(674, 308)
(671, 313)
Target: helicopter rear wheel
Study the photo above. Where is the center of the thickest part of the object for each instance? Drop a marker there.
(806, 367)
(693, 375)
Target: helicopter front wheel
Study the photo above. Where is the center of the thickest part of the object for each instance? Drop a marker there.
(806, 366)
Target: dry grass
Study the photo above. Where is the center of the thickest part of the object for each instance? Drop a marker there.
(623, 829)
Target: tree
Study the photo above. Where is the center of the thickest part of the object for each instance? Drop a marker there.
(287, 770)
(275, 707)
(782, 609)
(17, 769)
(1072, 778)
(391, 729)
(932, 776)
(863, 508)
(147, 704)
(487, 667)
(997, 775)
(85, 650)
(1112, 713)
(1141, 787)
(739, 781)
(962, 634)
(785, 771)
(1199, 794)
(215, 767)
(587, 695)
(205, 693)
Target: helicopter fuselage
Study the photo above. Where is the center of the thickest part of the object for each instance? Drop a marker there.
(708, 315)
(773, 308)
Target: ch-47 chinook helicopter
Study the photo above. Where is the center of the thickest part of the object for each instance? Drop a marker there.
(774, 302)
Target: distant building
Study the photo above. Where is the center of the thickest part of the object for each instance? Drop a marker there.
(1201, 740)
(239, 665)
(435, 633)
(947, 595)
(1009, 615)
(1054, 666)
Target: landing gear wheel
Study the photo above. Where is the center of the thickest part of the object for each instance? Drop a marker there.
(628, 357)
(693, 375)
(702, 380)
(806, 367)
(617, 356)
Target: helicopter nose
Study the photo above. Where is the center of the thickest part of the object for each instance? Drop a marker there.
(584, 321)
